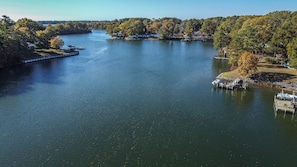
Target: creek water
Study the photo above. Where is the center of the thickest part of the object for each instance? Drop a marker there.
(137, 103)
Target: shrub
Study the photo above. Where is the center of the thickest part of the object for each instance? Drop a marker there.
(247, 64)
(270, 60)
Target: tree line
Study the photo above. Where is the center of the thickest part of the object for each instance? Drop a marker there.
(270, 34)
(166, 27)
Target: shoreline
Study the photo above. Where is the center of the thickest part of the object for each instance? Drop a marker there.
(49, 57)
(272, 76)
(41, 58)
(158, 39)
(276, 85)
(292, 86)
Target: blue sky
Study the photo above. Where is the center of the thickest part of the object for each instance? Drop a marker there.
(116, 9)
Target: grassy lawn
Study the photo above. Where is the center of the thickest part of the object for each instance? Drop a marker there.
(266, 71)
(277, 69)
(49, 52)
(231, 75)
(45, 52)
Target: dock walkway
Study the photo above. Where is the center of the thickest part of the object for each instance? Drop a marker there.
(50, 57)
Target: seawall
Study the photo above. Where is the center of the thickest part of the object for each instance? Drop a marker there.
(50, 57)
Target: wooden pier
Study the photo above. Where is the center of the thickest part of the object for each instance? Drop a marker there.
(221, 58)
(50, 57)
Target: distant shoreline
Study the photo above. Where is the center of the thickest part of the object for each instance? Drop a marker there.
(158, 39)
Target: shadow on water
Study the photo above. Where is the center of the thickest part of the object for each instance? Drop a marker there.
(240, 98)
(20, 79)
(219, 66)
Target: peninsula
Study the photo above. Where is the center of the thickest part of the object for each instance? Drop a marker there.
(268, 75)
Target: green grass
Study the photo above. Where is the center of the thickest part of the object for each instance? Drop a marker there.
(49, 52)
(44, 52)
(266, 67)
(231, 74)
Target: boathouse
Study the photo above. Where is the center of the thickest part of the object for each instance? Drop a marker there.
(285, 102)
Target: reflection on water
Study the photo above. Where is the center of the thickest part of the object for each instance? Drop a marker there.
(137, 103)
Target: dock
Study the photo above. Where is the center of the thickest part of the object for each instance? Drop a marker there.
(230, 84)
(285, 102)
(50, 57)
(221, 58)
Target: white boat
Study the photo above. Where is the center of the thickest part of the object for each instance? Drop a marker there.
(80, 48)
(76, 47)
(230, 84)
(286, 96)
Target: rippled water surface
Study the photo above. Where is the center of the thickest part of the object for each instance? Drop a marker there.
(137, 103)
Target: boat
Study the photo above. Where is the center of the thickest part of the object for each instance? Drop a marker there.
(230, 84)
(80, 48)
(186, 40)
(73, 47)
(285, 102)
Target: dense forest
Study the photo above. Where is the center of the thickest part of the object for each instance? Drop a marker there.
(272, 34)
(16, 37)
(166, 27)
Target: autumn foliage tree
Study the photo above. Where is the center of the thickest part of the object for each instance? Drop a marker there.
(56, 42)
(27, 28)
(210, 25)
(247, 64)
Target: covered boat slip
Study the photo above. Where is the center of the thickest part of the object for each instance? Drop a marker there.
(230, 84)
(285, 102)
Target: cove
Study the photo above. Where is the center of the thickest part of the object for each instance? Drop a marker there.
(137, 103)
